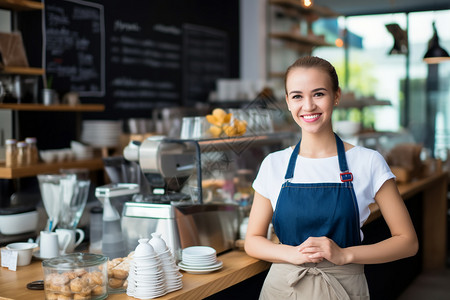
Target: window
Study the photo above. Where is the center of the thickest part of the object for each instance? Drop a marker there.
(374, 72)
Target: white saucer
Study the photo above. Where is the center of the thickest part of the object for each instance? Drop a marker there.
(201, 270)
(37, 255)
(199, 251)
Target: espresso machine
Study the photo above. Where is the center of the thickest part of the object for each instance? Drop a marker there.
(167, 165)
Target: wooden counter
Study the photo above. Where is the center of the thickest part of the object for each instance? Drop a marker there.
(434, 203)
(237, 266)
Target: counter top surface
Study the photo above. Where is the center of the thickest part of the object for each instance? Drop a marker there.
(237, 266)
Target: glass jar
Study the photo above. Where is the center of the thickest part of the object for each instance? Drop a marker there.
(21, 153)
(11, 153)
(32, 150)
(76, 276)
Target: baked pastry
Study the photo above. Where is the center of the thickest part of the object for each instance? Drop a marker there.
(77, 284)
(99, 290)
(115, 283)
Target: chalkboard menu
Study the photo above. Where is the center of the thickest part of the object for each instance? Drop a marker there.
(135, 55)
(74, 39)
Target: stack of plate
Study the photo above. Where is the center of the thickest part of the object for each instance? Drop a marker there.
(199, 260)
(101, 133)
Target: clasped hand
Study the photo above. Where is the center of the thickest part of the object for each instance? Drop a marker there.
(316, 249)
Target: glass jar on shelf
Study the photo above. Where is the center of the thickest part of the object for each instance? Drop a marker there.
(32, 150)
(11, 153)
(21, 153)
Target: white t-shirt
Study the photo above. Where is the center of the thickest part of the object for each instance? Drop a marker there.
(368, 167)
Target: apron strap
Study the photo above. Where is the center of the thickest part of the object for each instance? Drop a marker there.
(292, 161)
(345, 174)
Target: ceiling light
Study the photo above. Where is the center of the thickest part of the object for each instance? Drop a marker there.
(435, 53)
(306, 3)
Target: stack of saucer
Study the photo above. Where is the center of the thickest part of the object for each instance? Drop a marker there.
(171, 271)
(146, 276)
(101, 133)
(199, 260)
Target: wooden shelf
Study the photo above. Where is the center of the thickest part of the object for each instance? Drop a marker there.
(21, 5)
(22, 70)
(299, 39)
(277, 74)
(41, 168)
(243, 142)
(361, 103)
(320, 11)
(59, 107)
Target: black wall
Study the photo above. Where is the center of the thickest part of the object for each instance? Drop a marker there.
(134, 55)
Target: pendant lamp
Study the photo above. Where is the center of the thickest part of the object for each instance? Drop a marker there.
(435, 53)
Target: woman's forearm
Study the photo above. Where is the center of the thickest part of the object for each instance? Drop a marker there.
(394, 248)
(264, 249)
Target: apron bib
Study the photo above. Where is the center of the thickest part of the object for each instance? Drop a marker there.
(318, 209)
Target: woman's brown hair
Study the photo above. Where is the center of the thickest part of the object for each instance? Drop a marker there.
(314, 62)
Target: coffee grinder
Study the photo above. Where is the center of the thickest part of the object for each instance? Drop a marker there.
(112, 239)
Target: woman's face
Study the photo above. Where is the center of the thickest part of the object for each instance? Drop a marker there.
(310, 98)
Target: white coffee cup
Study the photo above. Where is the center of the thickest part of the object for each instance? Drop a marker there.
(49, 246)
(67, 239)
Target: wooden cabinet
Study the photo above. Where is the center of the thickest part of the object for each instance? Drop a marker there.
(290, 33)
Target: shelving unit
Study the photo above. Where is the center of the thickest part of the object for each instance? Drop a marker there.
(297, 7)
(17, 6)
(295, 32)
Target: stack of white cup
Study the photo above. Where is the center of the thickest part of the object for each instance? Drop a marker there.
(146, 276)
(172, 274)
(153, 270)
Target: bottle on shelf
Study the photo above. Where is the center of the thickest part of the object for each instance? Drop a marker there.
(11, 153)
(32, 150)
(21, 153)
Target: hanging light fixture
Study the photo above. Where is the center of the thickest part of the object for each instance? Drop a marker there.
(400, 39)
(435, 53)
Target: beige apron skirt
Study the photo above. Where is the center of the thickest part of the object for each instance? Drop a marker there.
(315, 281)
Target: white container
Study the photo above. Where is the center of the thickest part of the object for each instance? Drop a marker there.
(346, 128)
(19, 223)
(24, 252)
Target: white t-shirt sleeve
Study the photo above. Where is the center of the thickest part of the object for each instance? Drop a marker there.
(259, 182)
(380, 172)
(271, 174)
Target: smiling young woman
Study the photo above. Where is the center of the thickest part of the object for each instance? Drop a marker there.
(317, 196)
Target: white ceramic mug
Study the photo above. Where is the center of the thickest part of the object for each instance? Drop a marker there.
(67, 239)
(49, 246)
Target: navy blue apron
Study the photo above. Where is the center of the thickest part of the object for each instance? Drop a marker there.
(318, 209)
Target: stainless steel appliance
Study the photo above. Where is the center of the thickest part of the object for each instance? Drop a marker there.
(167, 164)
(181, 226)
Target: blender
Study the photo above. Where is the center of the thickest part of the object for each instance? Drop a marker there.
(64, 197)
